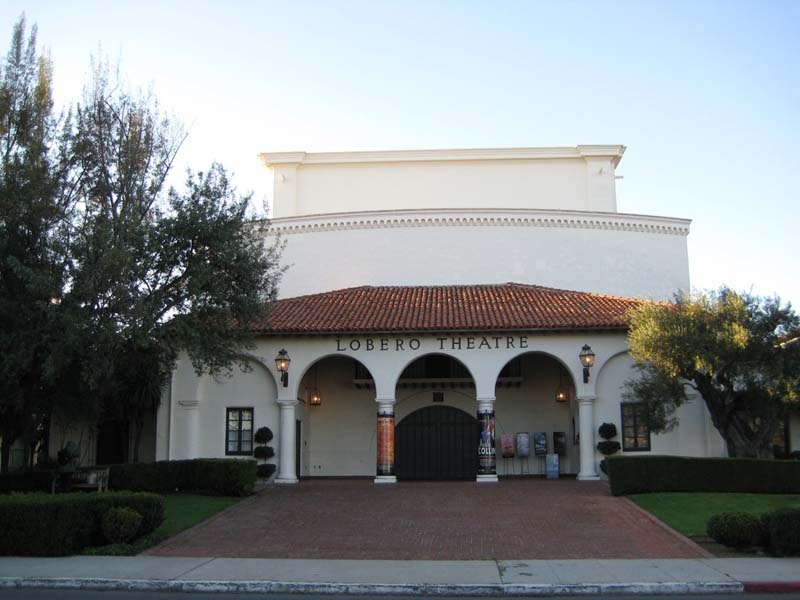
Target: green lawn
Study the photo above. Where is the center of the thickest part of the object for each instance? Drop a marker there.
(181, 511)
(688, 512)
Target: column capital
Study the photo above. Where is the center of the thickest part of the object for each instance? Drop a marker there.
(586, 398)
(486, 404)
(385, 400)
(285, 402)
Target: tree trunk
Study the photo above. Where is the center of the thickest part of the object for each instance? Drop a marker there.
(137, 438)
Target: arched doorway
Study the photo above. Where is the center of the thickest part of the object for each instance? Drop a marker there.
(436, 443)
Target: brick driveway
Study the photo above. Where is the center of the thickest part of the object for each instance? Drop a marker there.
(513, 519)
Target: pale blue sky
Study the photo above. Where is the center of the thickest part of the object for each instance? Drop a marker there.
(705, 95)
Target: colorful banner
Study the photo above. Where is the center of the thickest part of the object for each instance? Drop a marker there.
(487, 460)
(540, 443)
(385, 444)
(507, 445)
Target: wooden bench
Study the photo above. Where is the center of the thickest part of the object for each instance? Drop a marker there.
(90, 478)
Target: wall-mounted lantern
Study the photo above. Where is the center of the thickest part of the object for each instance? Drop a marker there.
(587, 360)
(315, 399)
(563, 390)
(282, 365)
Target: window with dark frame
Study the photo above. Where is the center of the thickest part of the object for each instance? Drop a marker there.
(239, 431)
(635, 432)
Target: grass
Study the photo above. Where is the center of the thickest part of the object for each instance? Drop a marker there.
(688, 512)
(181, 511)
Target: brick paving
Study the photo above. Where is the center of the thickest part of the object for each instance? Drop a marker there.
(357, 519)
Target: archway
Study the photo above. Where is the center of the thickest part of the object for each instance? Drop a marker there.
(536, 415)
(436, 437)
(336, 435)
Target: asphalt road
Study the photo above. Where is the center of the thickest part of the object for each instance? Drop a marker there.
(15, 594)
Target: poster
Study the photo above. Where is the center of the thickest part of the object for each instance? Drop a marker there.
(507, 445)
(487, 460)
(523, 444)
(385, 445)
(540, 443)
(553, 466)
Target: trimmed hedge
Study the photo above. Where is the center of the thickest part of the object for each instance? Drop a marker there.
(26, 481)
(646, 474)
(62, 524)
(219, 477)
(736, 529)
(784, 531)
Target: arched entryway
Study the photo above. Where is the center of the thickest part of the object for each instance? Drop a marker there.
(436, 443)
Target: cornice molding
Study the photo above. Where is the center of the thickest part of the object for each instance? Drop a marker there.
(271, 159)
(560, 219)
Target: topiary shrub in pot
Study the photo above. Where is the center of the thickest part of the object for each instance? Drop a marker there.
(736, 529)
(607, 447)
(263, 452)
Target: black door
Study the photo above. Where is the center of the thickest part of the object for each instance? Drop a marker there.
(112, 443)
(437, 442)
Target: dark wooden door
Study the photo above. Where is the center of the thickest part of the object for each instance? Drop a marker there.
(437, 442)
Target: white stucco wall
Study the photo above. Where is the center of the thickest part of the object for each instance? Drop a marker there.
(694, 436)
(622, 255)
(570, 178)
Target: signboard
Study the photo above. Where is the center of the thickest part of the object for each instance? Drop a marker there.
(507, 445)
(523, 444)
(540, 443)
(560, 443)
(487, 461)
(553, 466)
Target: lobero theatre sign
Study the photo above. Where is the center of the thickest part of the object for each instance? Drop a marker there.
(396, 344)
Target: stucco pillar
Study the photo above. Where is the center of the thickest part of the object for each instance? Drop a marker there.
(287, 468)
(191, 414)
(586, 423)
(487, 457)
(385, 468)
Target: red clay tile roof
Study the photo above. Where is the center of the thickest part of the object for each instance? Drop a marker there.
(503, 307)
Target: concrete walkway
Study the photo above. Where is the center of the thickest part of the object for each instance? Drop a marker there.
(529, 577)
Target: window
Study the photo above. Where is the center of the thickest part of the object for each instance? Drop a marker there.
(239, 431)
(635, 432)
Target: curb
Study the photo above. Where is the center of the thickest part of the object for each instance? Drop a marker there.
(772, 587)
(404, 589)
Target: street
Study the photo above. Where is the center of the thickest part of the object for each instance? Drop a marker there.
(41, 594)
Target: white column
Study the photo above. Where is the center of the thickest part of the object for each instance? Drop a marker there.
(191, 415)
(487, 457)
(586, 421)
(287, 469)
(385, 441)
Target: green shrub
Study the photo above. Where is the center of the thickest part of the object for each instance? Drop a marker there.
(120, 525)
(220, 477)
(62, 524)
(735, 529)
(784, 531)
(607, 431)
(607, 447)
(266, 471)
(27, 481)
(646, 474)
(263, 435)
(263, 452)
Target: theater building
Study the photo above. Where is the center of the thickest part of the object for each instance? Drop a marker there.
(437, 314)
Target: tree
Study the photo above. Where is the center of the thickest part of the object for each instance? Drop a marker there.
(156, 271)
(34, 209)
(739, 352)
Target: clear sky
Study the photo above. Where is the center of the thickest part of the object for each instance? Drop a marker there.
(705, 95)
